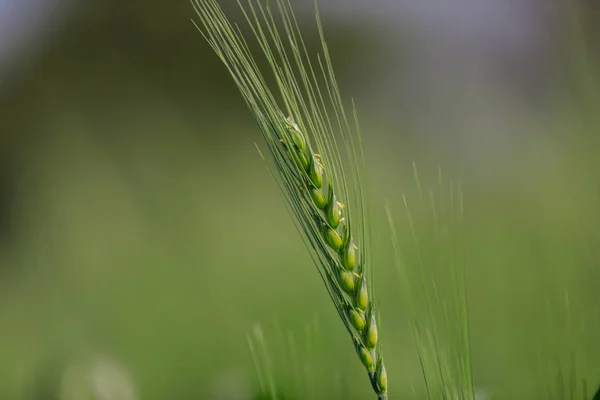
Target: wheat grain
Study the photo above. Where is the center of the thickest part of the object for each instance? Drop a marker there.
(312, 176)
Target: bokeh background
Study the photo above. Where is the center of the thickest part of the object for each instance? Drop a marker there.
(140, 230)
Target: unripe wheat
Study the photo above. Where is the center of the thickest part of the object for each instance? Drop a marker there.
(353, 284)
(313, 176)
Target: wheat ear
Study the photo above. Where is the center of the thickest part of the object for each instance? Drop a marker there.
(337, 236)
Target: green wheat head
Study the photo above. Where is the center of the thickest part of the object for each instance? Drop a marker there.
(317, 156)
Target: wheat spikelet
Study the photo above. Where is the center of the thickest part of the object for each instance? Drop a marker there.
(314, 177)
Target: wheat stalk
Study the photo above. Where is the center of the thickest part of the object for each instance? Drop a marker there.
(337, 236)
(442, 332)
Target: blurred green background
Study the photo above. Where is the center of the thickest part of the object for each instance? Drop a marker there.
(138, 222)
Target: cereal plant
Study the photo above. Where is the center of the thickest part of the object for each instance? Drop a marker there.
(317, 158)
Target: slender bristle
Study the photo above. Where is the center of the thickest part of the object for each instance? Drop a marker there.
(317, 156)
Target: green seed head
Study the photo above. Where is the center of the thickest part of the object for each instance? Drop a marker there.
(358, 320)
(333, 239)
(349, 256)
(318, 198)
(316, 173)
(347, 281)
(372, 336)
(365, 357)
(362, 295)
(297, 166)
(381, 377)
